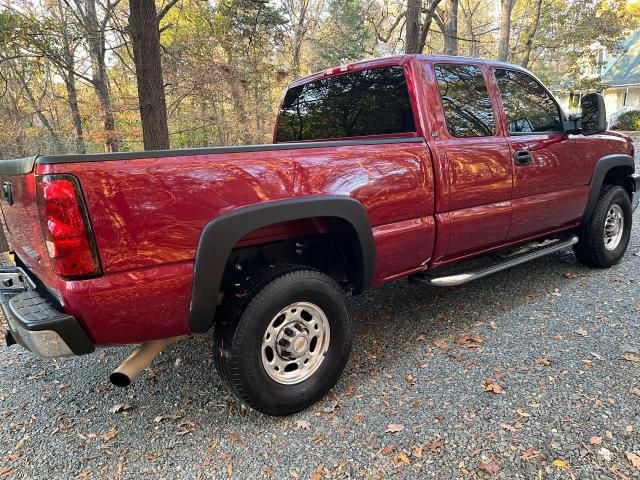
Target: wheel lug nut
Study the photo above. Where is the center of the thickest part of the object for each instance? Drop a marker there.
(283, 342)
(289, 332)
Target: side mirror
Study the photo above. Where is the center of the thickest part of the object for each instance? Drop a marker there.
(594, 115)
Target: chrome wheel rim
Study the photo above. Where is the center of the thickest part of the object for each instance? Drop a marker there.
(295, 343)
(613, 227)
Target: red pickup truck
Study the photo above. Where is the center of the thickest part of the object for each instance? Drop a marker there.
(408, 166)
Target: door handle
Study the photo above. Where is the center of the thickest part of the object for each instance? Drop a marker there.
(522, 157)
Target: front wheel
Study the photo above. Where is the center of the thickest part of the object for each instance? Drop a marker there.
(283, 342)
(605, 236)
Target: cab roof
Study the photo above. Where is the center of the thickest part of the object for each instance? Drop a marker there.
(398, 60)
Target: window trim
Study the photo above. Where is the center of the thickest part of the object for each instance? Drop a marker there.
(408, 78)
(486, 83)
(561, 114)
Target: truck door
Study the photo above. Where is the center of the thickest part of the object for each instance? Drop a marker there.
(550, 179)
(478, 160)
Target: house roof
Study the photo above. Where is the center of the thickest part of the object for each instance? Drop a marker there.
(626, 70)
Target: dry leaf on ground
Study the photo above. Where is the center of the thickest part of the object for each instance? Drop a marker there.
(394, 428)
(634, 459)
(490, 467)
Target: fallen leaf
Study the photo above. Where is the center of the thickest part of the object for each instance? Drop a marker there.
(109, 435)
(401, 459)
(570, 275)
(543, 361)
(358, 417)
(490, 467)
(506, 426)
(634, 391)
(20, 444)
(435, 445)
(229, 470)
(304, 424)
(185, 427)
(469, 341)
(394, 428)
(582, 331)
(595, 440)
(529, 454)
(417, 452)
(268, 472)
(160, 418)
(7, 471)
(120, 407)
(317, 475)
(442, 345)
(633, 459)
(561, 464)
(388, 449)
(491, 386)
(632, 357)
(410, 379)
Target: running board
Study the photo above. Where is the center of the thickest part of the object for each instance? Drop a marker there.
(459, 279)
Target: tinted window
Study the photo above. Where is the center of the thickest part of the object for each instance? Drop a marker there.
(527, 105)
(465, 99)
(371, 102)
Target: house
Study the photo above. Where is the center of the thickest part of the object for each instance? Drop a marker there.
(621, 82)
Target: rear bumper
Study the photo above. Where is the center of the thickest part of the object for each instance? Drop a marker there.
(635, 198)
(36, 324)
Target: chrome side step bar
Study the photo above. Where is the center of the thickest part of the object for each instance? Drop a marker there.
(459, 279)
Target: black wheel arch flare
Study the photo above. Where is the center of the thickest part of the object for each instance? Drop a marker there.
(603, 166)
(220, 235)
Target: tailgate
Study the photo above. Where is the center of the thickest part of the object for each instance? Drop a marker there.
(20, 219)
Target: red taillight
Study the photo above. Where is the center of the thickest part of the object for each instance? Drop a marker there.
(65, 226)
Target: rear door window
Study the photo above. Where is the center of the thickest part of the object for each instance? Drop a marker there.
(370, 102)
(529, 108)
(465, 100)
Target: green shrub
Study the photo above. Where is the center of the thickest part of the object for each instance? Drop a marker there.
(629, 121)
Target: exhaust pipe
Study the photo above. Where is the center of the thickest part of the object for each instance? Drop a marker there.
(129, 370)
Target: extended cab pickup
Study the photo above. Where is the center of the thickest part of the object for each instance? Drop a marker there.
(408, 166)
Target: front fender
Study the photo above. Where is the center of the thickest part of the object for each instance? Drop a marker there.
(603, 166)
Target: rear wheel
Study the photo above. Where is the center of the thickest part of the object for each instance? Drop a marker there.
(605, 237)
(283, 342)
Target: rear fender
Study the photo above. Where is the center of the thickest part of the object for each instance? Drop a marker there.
(221, 235)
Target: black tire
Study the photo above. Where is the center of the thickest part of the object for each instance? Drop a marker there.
(591, 249)
(242, 325)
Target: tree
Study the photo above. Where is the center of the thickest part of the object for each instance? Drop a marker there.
(94, 28)
(418, 26)
(145, 35)
(505, 29)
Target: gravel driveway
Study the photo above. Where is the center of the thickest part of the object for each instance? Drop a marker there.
(530, 373)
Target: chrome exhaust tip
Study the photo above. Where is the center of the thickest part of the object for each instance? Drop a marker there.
(133, 366)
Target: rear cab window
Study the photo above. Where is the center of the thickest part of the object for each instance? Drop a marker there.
(465, 98)
(354, 104)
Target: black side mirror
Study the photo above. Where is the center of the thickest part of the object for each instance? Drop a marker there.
(594, 115)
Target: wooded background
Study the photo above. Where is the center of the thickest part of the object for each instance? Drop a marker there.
(86, 75)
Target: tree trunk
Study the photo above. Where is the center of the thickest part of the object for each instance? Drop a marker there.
(72, 100)
(143, 26)
(451, 29)
(69, 77)
(526, 57)
(96, 42)
(412, 34)
(505, 30)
